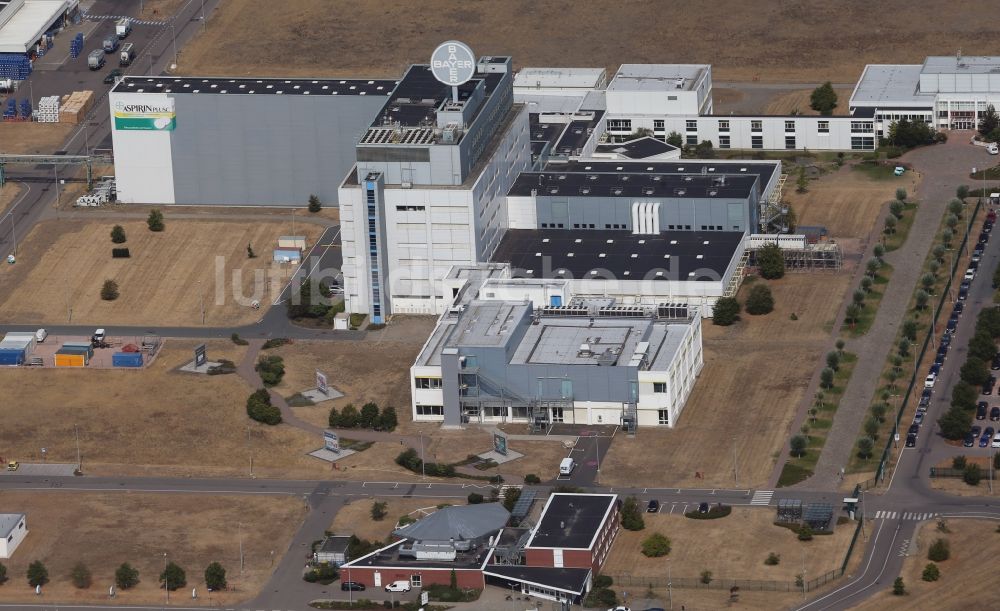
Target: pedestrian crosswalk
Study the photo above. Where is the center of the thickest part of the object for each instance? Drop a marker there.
(762, 497)
(117, 17)
(904, 515)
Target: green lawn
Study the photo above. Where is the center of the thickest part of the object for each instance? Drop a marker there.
(871, 304)
(895, 240)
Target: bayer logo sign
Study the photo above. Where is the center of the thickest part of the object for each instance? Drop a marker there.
(453, 63)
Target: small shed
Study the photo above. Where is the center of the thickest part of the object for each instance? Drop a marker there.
(292, 241)
(67, 357)
(126, 359)
(13, 529)
(287, 255)
(333, 550)
(341, 321)
(11, 356)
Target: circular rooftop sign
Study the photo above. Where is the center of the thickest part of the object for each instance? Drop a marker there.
(453, 63)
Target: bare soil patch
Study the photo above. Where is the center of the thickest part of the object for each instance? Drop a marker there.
(755, 373)
(103, 530)
(355, 518)
(150, 421)
(27, 138)
(747, 41)
(167, 280)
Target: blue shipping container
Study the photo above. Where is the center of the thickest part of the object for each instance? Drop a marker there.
(11, 356)
(126, 359)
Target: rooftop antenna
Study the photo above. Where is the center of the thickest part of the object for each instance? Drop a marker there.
(453, 63)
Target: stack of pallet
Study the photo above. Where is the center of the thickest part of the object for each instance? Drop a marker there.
(48, 109)
(75, 106)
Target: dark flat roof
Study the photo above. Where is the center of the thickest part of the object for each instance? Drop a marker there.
(640, 148)
(681, 166)
(222, 85)
(389, 557)
(674, 253)
(418, 95)
(545, 132)
(577, 134)
(623, 183)
(571, 521)
(565, 579)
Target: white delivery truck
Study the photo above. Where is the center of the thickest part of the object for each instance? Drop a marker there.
(95, 61)
(123, 27)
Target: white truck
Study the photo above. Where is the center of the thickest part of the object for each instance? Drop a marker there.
(95, 61)
(123, 27)
(127, 54)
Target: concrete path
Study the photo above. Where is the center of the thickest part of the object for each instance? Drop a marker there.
(944, 167)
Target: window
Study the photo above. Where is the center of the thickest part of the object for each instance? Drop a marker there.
(671, 98)
(823, 127)
(723, 126)
(756, 126)
(723, 142)
(621, 125)
(499, 411)
(410, 208)
(426, 383)
(663, 416)
(865, 127)
(789, 142)
(519, 412)
(862, 143)
(659, 124)
(430, 410)
(942, 114)
(692, 139)
(789, 126)
(703, 228)
(756, 142)
(415, 581)
(691, 125)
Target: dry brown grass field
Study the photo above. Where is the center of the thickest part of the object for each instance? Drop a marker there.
(103, 530)
(780, 41)
(965, 577)
(540, 457)
(747, 536)
(9, 194)
(150, 421)
(755, 373)
(28, 138)
(63, 264)
(798, 102)
(355, 518)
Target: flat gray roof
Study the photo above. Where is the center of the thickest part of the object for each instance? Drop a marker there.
(263, 86)
(890, 84)
(966, 64)
(585, 78)
(657, 77)
(8, 522)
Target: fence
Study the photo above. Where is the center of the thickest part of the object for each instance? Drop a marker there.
(880, 472)
(946, 472)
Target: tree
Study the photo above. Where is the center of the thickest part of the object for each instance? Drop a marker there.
(704, 150)
(903, 348)
(878, 411)
(896, 209)
(826, 378)
(726, 311)
(675, 139)
(260, 409)
(898, 589)
(931, 572)
(909, 329)
(879, 252)
(173, 577)
(80, 576)
(805, 533)
(310, 302)
(118, 234)
(215, 577)
(959, 462)
(852, 314)
(453, 580)
(770, 262)
(982, 346)
(955, 207)
(772, 559)
(871, 428)
(475, 498)
(3, 574)
(155, 220)
(314, 204)
(250, 253)
(510, 497)
(333, 420)
(823, 99)
(802, 183)
(37, 574)
(760, 301)
(369, 416)
(962, 191)
(955, 423)
(349, 417)
(858, 297)
(951, 221)
(839, 345)
(974, 371)
(972, 474)
(989, 122)
(946, 237)
(109, 291)
(706, 577)
(798, 445)
(632, 515)
(387, 420)
(379, 510)
(126, 577)
(901, 194)
(939, 252)
(655, 546)
(865, 446)
(927, 282)
(871, 267)
(909, 134)
(833, 360)
(890, 225)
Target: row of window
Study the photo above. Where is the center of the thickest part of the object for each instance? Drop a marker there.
(662, 415)
(553, 226)
(427, 383)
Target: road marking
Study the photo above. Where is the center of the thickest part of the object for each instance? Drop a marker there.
(672, 507)
(762, 497)
(874, 546)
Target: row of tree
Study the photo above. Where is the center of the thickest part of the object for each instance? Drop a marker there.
(172, 577)
(370, 417)
(955, 422)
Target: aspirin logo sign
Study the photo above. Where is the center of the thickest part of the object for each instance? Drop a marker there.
(156, 115)
(453, 63)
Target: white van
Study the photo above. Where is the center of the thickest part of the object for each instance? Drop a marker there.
(566, 466)
(40, 335)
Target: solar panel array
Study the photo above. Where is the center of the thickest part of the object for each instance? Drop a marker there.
(523, 504)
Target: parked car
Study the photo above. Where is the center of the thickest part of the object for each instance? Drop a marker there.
(113, 76)
(945, 342)
(398, 586)
(653, 506)
(952, 325)
(988, 386)
(963, 291)
(986, 438)
(939, 359)
(13, 465)
(40, 335)
(995, 365)
(995, 414)
(970, 274)
(353, 586)
(958, 309)
(899, 170)
(930, 380)
(974, 265)
(911, 440)
(981, 409)
(914, 429)
(976, 431)
(925, 397)
(918, 419)
(996, 441)
(703, 508)
(970, 440)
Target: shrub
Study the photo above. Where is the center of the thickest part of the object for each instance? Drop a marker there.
(726, 311)
(760, 301)
(80, 576)
(770, 262)
(603, 581)
(215, 577)
(655, 546)
(865, 447)
(475, 498)
(378, 510)
(632, 515)
(531, 478)
(109, 292)
(805, 533)
(155, 220)
(275, 342)
(972, 474)
(126, 577)
(239, 341)
(714, 513)
(798, 445)
(706, 577)
(120, 253)
(958, 462)
(601, 597)
(387, 420)
(37, 574)
(772, 559)
(314, 204)
(898, 589)
(259, 408)
(931, 572)
(118, 234)
(271, 369)
(939, 551)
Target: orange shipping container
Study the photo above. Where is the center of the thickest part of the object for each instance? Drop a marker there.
(70, 360)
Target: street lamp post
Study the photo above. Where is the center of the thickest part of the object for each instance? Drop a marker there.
(736, 470)
(670, 586)
(423, 470)
(166, 578)
(79, 463)
(173, 34)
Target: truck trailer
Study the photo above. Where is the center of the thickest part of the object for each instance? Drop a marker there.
(95, 61)
(123, 27)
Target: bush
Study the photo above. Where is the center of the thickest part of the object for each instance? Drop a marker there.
(3, 574)
(275, 342)
(475, 498)
(865, 447)
(349, 416)
(939, 551)
(369, 416)
(259, 408)
(896, 209)
(714, 512)
(826, 378)
(120, 253)
(378, 511)
(271, 369)
(80, 576)
(109, 292)
(215, 577)
(898, 589)
(706, 577)
(972, 474)
(655, 546)
(805, 533)
(726, 311)
(901, 194)
(603, 581)
(632, 515)
(126, 577)
(118, 234)
(37, 574)
(770, 262)
(239, 341)
(531, 478)
(931, 572)
(314, 204)
(601, 597)
(387, 420)
(155, 220)
(772, 559)
(760, 301)
(798, 445)
(958, 462)
(833, 360)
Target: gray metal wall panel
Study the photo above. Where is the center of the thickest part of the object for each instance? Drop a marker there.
(265, 150)
(601, 211)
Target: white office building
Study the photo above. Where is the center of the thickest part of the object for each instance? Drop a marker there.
(13, 530)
